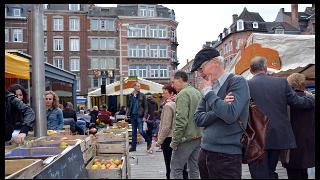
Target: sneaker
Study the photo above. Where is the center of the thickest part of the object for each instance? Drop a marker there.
(132, 149)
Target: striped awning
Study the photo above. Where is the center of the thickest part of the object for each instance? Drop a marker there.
(16, 66)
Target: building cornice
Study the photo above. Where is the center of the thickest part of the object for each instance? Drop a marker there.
(148, 18)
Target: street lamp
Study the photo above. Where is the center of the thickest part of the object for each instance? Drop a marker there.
(120, 66)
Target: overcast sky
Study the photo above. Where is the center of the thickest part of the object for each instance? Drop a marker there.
(199, 23)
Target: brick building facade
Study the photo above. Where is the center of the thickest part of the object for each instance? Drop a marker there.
(84, 39)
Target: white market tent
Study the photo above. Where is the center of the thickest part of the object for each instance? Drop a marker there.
(112, 89)
(296, 53)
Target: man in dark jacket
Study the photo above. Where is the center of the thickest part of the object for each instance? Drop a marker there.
(138, 111)
(13, 104)
(272, 95)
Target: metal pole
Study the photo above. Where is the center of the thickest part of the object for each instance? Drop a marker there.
(120, 66)
(38, 75)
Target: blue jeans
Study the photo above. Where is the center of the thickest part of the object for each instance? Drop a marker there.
(137, 123)
(81, 126)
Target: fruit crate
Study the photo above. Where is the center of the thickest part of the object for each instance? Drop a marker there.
(115, 173)
(53, 143)
(88, 140)
(22, 168)
(112, 141)
(87, 155)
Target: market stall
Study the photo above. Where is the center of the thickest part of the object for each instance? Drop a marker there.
(113, 91)
(285, 54)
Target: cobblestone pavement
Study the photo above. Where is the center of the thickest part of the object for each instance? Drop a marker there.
(151, 166)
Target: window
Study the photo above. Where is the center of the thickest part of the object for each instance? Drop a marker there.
(45, 6)
(133, 70)
(74, 24)
(110, 25)
(142, 71)
(240, 25)
(74, 44)
(17, 35)
(162, 31)
(94, 24)
(230, 46)
(16, 12)
(45, 44)
(225, 48)
(153, 50)
(238, 43)
(58, 62)
(94, 63)
(137, 50)
(6, 35)
(78, 83)
(103, 43)
(58, 44)
(255, 25)
(154, 70)
(138, 70)
(147, 11)
(94, 43)
(229, 30)
(74, 7)
(162, 51)
(163, 71)
(102, 24)
(173, 36)
(58, 24)
(96, 82)
(45, 59)
(137, 30)
(44, 23)
(279, 31)
(103, 63)
(74, 64)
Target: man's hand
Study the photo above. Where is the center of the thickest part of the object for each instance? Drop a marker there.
(229, 98)
(204, 84)
(20, 138)
(308, 93)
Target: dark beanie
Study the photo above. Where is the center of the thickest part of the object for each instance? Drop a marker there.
(202, 56)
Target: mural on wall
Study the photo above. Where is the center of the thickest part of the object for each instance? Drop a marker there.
(255, 49)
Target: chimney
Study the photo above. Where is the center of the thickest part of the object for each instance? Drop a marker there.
(234, 18)
(294, 15)
(282, 10)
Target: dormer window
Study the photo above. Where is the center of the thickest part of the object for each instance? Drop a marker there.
(147, 11)
(45, 6)
(16, 12)
(229, 30)
(240, 25)
(74, 7)
(223, 35)
(279, 31)
(255, 25)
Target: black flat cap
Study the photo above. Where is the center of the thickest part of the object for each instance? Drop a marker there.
(202, 56)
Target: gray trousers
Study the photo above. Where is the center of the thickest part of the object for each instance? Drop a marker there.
(186, 152)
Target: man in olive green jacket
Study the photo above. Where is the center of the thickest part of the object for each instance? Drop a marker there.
(186, 137)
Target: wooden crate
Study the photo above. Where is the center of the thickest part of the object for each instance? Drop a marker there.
(38, 153)
(87, 139)
(88, 154)
(112, 141)
(128, 165)
(53, 143)
(107, 173)
(22, 168)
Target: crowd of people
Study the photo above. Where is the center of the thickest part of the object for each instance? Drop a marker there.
(197, 128)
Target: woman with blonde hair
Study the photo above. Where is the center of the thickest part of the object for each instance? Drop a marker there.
(303, 126)
(54, 113)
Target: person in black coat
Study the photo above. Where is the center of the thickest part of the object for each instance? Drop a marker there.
(94, 114)
(272, 95)
(303, 126)
(14, 105)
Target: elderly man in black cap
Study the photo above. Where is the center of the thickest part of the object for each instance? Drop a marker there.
(220, 154)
